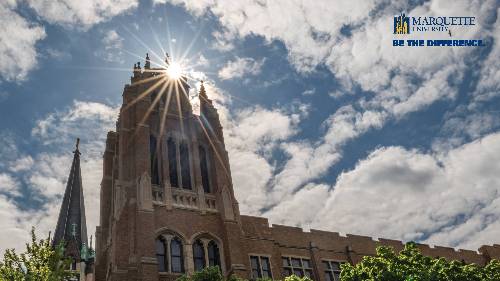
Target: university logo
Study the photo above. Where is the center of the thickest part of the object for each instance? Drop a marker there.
(401, 24)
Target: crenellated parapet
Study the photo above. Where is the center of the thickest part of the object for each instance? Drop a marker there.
(353, 247)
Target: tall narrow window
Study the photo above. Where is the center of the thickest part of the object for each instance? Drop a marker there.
(213, 254)
(261, 267)
(172, 162)
(198, 255)
(332, 270)
(255, 263)
(176, 256)
(204, 169)
(155, 176)
(266, 267)
(185, 171)
(161, 255)
(298, 266)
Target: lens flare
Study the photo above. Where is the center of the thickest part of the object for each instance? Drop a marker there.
(174, 71)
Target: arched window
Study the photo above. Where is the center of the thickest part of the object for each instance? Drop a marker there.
(176, 256)
(204, 169)
(185, 168)
(172, 162)
(161, 255)
(198, 255)
(155, 176)
(213, 254)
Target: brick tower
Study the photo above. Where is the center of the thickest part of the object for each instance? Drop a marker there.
(168, 206)
(167, 203)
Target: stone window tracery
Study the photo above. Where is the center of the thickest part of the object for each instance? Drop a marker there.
(205, 179)
(169, 254)
(298, 266)
(261, 268)
(213, 254)
(198, 255)
(155, 175)
(176, 255)
(185, 165)
(332, 270)
(172, 162)
(206, 253)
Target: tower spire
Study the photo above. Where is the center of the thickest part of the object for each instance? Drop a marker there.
(71, 227)
(167, 59)
(147, 65)
(202, 95)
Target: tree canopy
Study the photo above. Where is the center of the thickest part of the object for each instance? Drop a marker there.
(411, 265)
(213, 273)
(40, 262)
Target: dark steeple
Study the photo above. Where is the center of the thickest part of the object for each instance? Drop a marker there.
(147, 65)
(202, 94)
(71, 225)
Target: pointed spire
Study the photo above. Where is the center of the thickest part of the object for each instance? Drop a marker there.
(71, 226)
(167, 59)
(136, 70)
(202, 95)
(147, 65)
(77, 146)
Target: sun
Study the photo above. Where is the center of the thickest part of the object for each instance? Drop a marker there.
(174, 70)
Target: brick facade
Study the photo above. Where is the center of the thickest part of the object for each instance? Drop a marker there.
(139, 205)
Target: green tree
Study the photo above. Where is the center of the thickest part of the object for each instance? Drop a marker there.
(40, 262)
(411, 265)
(213, 273)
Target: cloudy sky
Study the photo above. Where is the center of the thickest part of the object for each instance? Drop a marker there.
(328, 126)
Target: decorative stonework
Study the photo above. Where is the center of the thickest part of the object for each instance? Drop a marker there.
(144, 193)
(206, 208)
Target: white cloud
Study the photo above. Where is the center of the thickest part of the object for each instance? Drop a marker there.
(89, 121)
(488, 85)
(309, 92)
(112, 40)
(48, 171)
(250, 139)
(18, 55)
(83, 120)
(113, 44)
(80, 13)
(241, 67)
(473, 125)
(57, 54)
(401, 80)
(447, 199)
(8, 185)
(13, 231)
(202, 61)
(21, 164)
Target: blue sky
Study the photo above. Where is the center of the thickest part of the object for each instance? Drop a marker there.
(327, 125)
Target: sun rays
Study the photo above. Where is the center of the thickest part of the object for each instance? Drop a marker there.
(174, 70)
(163, 82)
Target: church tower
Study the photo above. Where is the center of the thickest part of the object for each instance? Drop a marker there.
(71, 229)
(167, 202)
